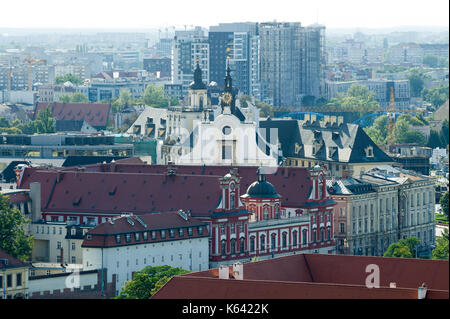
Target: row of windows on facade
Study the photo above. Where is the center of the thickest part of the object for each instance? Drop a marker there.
(387, 223)
(233, 228)
(388, 202)
(162, 234)
(153, 258)
(9, 281)
(284, 244)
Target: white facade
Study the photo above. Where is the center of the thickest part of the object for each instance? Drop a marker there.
(188, 254)
(226, 141)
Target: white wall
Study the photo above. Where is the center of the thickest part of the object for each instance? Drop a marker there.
(125, 260)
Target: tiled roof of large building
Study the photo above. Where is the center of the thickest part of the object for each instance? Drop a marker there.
(8, 261)
(141, 188)
(104, 235)
(345, 143)
(94, 114)
(315, 276)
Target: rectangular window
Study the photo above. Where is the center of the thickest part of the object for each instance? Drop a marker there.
(136, 236)
(342, 228)
(190, 231)
(9, 280)
(153, 234)
(145, 235)
(200, 230)
(127, 238)
(118, 239)
(58, 245)
(73, 246)
(163, 234)
(226, 152)
(19, 280)
(74, 260)
(171, 233)
(180, 232)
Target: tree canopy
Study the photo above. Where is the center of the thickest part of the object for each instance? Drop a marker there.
(416, 81)
(436, 96)
(441, 250)
(404, 248)
(146, 282)
(154, 96)
(444, 204)
(403, 133)
(44, 122)
(13, 239)
(357, 99)
(68, 77)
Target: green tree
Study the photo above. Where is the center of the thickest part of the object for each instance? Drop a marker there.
(430, 60)
(45, 123)
(436, 96)
(403, 133)
(13, 239)
(444, 204)
(378, 131)
(441, 250)
(79, 97)
(154, 96)
(416, 81)
(357, 99)
(68, 77)
(404, 248)
(146, 282)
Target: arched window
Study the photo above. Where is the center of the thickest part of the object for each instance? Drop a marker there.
(273, 241)
(224, 247)
(242, 245)
(265, 213)
(328, 233)
(233, 246)
(284, 240)
(252, 244)
(263, 243)
(305, 237)
(314, 235)
(277, 212)
(231, 200)
(201, 101)
(322, 234)
(294, 238)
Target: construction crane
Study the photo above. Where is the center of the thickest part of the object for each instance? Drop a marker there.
(391, 115)
(30, 60)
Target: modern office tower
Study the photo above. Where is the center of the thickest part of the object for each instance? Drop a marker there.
(237, 42)
(313, 62)
(281, 59)
(164, 48)
(188, 50)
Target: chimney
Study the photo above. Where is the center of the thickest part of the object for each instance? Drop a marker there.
(35, 196)
(224, 272)
(238, 271)
(422, 291)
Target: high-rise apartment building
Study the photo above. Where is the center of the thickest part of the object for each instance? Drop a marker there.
(188, 50)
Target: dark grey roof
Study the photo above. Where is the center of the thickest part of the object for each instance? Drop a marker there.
(345, 143)
(69, 125)
(348, 186)
(261, 189)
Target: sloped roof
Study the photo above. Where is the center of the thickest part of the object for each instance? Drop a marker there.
(141, 188)
(442, 112)
(103, 235)
(12, 262)
(345, 143)
(95, 114)
(315, 276)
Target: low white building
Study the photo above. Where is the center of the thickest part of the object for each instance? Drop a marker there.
(130, 243)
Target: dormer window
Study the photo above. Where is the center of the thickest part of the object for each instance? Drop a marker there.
(127, 238)
(118, 239)
(136, 236)
(369, 151)
(190, 231)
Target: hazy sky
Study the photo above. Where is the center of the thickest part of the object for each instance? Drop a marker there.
(154, 13)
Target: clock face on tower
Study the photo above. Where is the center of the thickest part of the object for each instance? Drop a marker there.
(227, 98)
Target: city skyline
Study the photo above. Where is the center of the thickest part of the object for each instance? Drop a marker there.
(345, 14)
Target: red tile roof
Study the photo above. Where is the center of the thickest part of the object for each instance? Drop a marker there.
(104, 234)
(315, 276)
(19, 197)
(11, 261)
(95, 114)
(115, 187)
